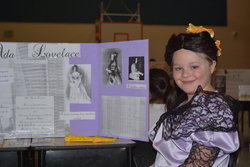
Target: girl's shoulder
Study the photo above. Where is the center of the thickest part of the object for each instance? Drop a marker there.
(215, 100)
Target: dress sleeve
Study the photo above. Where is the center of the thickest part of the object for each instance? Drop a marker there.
(218, 135)
(221, 132)
(208, 145)
(201, 155)
(227, 142)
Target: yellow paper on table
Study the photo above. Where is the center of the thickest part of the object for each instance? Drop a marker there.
(94, 139)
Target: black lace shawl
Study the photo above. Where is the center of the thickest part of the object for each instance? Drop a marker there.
(206, 111)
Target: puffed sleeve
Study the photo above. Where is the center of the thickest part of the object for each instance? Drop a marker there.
(217, 135)
(226, 142)
(219, 125)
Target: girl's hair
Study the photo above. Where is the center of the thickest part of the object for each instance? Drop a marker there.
(197, 42)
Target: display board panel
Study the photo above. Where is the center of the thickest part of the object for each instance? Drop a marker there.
(51, 89)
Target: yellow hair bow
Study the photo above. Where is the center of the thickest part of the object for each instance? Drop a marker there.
(197, 29)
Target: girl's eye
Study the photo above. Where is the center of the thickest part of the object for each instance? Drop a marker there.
(194, 67)
(177, 68)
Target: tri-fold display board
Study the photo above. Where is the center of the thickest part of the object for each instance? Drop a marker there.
(50, 89)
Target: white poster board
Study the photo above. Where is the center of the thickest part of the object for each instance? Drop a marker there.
(233, 79)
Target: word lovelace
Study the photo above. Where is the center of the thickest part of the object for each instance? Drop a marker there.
(55, 51)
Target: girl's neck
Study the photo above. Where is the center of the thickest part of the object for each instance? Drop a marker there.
(208, 88)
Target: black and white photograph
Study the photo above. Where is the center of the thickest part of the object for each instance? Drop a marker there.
(112, 63)
(136, 68)
(78, 88)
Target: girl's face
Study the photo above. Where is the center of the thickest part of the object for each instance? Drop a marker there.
(191, 69)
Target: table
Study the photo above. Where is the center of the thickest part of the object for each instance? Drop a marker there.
(57, 152)
(14, 152)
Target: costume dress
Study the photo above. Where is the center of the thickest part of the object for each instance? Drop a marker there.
(186, 133)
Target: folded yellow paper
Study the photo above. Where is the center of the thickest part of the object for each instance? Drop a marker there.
(94, 139)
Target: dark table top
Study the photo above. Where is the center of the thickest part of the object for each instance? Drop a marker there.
(58, 143)
(15, 144)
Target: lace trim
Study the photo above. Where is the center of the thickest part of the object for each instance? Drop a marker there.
(206, 111)
(201, 156)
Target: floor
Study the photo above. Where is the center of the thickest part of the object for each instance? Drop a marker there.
(244, 154)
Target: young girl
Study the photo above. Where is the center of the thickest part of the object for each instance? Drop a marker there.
(199, 127)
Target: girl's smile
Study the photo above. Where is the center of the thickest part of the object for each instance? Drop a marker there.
(188, 82)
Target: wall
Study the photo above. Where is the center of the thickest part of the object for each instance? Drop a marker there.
(235, 37)
(48, 32)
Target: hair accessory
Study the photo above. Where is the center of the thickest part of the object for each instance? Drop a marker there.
(197, 29)
(217, 43)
